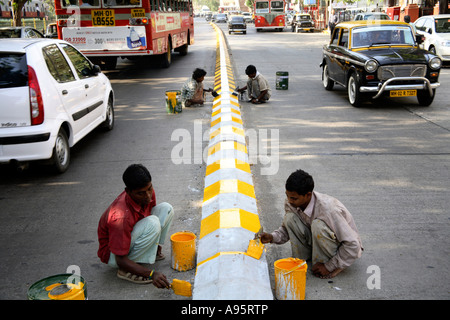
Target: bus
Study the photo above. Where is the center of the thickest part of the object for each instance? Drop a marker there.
(270, 14)
(107, 29)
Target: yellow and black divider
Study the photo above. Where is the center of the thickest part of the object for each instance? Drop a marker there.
(229, 212)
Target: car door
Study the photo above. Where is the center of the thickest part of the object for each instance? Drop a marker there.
(335, 56)
(93, 84)
(70, 91)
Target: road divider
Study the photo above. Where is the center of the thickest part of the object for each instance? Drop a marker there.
(229, 212)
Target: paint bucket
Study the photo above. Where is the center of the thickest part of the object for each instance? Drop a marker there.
(183, 250)
(173, 101)
(290, 279)
(66, 286)
(282, 80)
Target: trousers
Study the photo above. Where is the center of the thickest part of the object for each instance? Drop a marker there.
(317, 243)
(147, 234)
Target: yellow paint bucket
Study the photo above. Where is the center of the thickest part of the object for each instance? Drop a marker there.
(59, 287)
(173, 101)
(183, 250)
(290, 279)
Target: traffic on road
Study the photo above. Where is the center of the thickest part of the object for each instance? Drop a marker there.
(386, 161)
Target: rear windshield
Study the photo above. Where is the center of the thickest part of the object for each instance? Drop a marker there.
(10, 33)
(13, 70)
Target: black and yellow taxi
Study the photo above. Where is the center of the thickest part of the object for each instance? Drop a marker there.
(371, 58)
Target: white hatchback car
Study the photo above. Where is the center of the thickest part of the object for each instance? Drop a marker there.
(51, 96)
(436, 30)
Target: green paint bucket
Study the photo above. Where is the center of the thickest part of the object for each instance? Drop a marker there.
(282, 80)
(65, 286)
(173, 101)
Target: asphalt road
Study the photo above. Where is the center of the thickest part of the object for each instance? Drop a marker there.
(388, 162)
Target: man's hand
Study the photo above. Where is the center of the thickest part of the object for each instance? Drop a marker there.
(320, 271)
(160, 280)
(266, 237)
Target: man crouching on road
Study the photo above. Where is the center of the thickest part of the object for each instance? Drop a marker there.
(133, 228)
(319, 227)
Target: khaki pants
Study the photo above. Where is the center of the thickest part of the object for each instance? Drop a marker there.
(317, 243)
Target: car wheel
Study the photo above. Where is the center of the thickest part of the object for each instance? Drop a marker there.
(61, 152)
(354, 96)
(424, 97)
(327, 82)
(108, 124)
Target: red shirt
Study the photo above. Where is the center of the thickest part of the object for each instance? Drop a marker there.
(116, 224)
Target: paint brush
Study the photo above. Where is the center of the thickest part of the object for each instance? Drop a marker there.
(255, 246)
(181, 287)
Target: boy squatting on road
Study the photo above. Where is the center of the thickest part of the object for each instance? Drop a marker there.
(319, 227)
(192, 90)
(133, 228)
(257, 86)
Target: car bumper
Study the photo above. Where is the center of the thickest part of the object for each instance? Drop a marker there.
(26, 144)
(237, 30)
(387, 86)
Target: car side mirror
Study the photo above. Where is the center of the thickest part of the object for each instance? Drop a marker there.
(419, 38)
(96, 69)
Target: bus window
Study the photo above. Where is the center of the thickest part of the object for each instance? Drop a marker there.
(121, 3)
(262, 7)
(276, 6)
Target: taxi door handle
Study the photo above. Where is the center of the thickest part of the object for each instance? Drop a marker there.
(65, 92)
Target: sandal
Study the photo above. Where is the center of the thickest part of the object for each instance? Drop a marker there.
(133, 278)
(159, 257)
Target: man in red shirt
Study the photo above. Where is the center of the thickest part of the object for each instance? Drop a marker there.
(133, 228)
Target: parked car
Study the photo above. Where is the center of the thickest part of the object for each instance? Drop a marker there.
(221, 17)
(371, 60)
(20, 32)
(237, 24)
(52, 31)
(436, 31)
(372, 16)
(302, 21)
(52, 96)
(247, 17)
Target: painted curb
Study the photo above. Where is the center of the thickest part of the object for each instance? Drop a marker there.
(229, 211)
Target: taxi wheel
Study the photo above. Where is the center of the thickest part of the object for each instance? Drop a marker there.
(354, 96)
(424, 97)
(61, 152)
(327, 82)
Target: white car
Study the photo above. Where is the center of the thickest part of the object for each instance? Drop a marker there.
(372, 16)
(436, 30)
(51, 97)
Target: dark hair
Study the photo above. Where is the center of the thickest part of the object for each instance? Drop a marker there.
(407, 19)
(300, 182)
(250, 69)
(198, 73)
(136, 176)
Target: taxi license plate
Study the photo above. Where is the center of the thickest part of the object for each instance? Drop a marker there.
(103, 18)
(403, 93)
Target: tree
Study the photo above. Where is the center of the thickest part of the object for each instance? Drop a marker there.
(443, 6)
(17, 6)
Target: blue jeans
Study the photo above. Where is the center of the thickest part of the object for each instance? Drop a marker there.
(147, 234)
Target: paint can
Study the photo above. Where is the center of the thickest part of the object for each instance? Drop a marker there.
(183, 250)
(282, 80)
(290, 279)
(173, 101)
(65, 286)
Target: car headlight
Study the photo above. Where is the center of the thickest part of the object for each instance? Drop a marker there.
(435, 63)
(371, 65)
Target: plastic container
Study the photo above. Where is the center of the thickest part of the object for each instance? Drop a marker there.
(183, 250)
(290, 279)
(66, 286)
(282, 80)
(173, 101)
